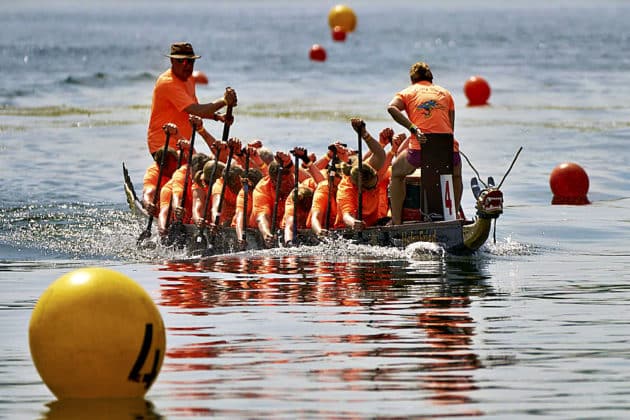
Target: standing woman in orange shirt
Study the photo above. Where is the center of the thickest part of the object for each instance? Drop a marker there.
(422, 107)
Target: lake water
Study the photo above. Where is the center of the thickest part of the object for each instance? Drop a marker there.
(534, 325)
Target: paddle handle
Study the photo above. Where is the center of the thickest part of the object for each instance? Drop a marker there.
(359, 179)
(227, 123)
(156, 196)
(296, 174)
(274, 214)
(190, 156)
(245, 193)
(224, 186)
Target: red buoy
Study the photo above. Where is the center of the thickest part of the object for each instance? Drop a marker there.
(199, 77)
(477, 90)
(338, 34)
(569, 184)
(318, 53)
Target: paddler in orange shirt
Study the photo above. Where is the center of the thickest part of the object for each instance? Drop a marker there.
(305, 201)
(179, 197)
(324, 199)
(228, 205)
(348, 191)
(266, 203)
(150, 181)
(174, 99)
(254, 175)
(203, 181)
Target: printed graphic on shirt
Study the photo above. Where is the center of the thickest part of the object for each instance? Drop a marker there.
(427, 107)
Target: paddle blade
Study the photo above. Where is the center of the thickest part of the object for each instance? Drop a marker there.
(200, 242)
(146, 234)
(176, 235)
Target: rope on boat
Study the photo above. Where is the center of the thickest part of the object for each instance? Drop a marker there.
(504, 176)
(473, 168)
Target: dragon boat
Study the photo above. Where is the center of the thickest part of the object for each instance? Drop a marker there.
(428, 216)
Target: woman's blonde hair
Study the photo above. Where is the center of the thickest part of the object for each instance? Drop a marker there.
(367, 174)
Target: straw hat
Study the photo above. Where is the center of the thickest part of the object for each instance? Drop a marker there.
(182, 50)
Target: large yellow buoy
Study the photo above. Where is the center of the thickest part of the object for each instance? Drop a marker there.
(95, 333)
(343, 17)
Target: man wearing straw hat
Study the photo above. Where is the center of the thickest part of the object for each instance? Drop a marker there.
(174, 99)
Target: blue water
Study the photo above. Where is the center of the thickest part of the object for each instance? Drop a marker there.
(534, 325)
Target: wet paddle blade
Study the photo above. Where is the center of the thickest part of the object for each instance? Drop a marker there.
(146, 234)
(176, 235)
(200, 243)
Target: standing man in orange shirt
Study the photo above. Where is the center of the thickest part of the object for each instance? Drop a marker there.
(429, 108)
(174, 99)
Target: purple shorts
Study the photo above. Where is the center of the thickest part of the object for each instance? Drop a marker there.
(414, 157)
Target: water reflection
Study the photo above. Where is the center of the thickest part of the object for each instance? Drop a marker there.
(324, 330)
(105, 409)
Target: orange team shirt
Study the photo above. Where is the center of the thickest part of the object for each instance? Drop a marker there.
(151, 176)
(170, 97)
(240, 204)
(165, 195)
(320, 202)
(178, 180)
(383, 199)
(228, 207)
(151, 179)
(263, 200)
(347, 202)
(201, 191)
(288, 208)
(427, 106)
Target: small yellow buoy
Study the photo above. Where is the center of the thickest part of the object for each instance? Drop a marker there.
(343, 17)
(95, 333)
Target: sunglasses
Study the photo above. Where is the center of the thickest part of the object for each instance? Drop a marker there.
(185, 60)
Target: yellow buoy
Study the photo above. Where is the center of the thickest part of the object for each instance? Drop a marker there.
(95, 333)
(343, 17)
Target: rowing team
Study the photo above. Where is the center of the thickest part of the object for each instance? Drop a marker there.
(248, 186)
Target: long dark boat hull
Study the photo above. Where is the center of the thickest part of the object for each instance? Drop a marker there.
(456, 236)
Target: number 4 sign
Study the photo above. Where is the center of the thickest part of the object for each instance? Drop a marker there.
(448, 196)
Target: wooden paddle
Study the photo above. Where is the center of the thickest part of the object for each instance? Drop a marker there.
(296, 174)
(147, 232)
(331, 182)
(245, 193)
(360, 180)
(274, 214)
(170, 207)
(217, 217)
(200, 239)
(177, 231)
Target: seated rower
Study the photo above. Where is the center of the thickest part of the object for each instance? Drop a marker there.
(150, 181)
(367, 176)
(254, 175)
(270, 196)
(182, 200)
(228, 205)
(203, 181)
(324, 201)
(304, 202)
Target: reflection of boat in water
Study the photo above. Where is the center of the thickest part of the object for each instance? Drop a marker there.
(428, 217)
(352, 324)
